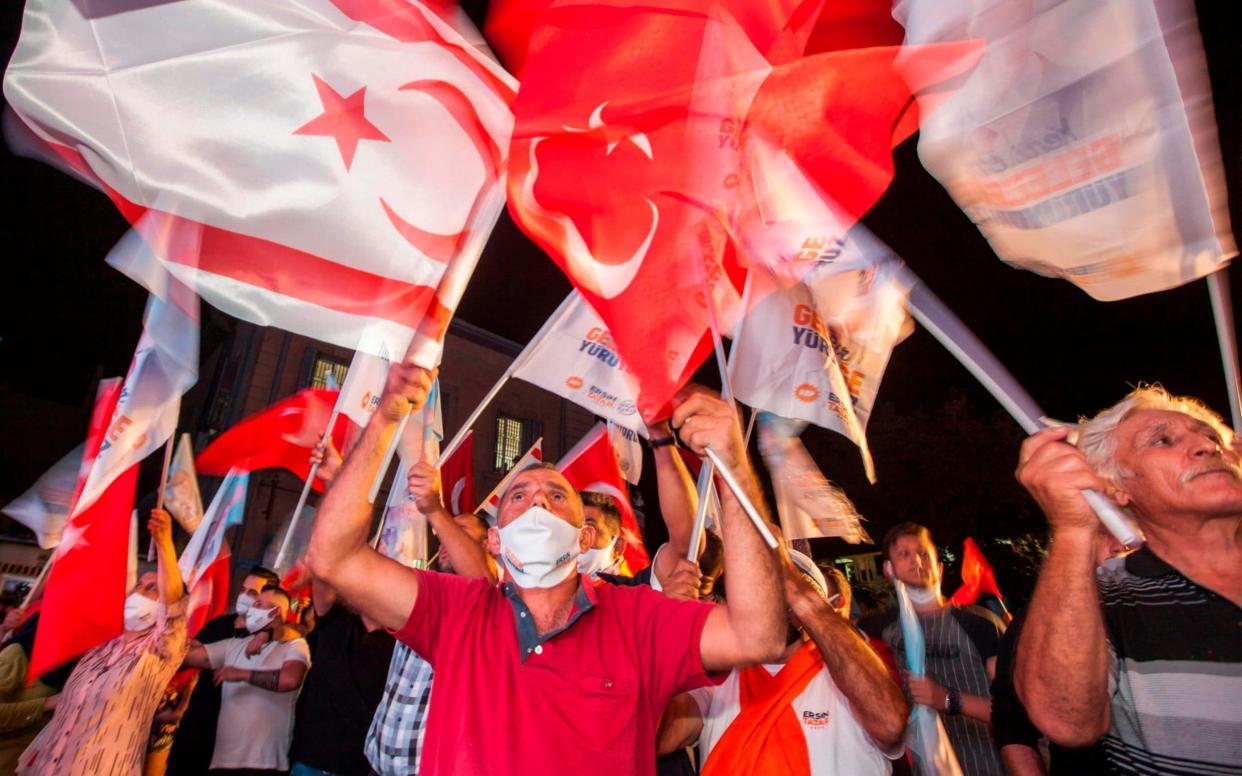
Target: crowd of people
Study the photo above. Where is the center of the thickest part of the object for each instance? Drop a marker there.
(524, 652)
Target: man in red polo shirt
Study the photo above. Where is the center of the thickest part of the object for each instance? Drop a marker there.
(547, 674)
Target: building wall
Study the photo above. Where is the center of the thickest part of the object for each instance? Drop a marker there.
(473, 360)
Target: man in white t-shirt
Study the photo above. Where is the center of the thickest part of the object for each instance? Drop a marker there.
(261, 676)
(830, 706)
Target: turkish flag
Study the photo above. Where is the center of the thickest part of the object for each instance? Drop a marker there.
(280, 437)
(592, 466)
(457, 478)
(84, 599)
(319, 166)
(977, 576)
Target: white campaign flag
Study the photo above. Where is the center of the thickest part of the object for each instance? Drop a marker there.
(577, 360)
(165, 366)
(324, 166)
(802, 348)
(364, 382)
(404, 536)
(809, 505)
(44, 508)
(1083, 144)
(182, 498)
(228, 508)
(629, 451)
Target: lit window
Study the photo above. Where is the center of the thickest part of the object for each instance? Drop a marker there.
(509, 440)
(328, 372)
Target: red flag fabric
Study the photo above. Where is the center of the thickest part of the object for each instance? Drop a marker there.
(592, 466)
(457, 478)
(279, 437)
(209, 597)
(84, 599)
(977, 576)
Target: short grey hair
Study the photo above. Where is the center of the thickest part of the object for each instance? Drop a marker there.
(1097, 437)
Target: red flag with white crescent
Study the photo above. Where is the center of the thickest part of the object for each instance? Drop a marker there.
(591, 466)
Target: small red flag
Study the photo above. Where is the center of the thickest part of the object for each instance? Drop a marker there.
(592, 466)
(457, 478)
(977, 576)
(279, 437)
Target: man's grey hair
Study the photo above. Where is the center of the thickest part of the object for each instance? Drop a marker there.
(1097, 437)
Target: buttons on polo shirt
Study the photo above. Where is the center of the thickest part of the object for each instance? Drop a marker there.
(521, 614)
(539, 649)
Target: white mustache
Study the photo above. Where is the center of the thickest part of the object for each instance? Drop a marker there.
(1211, 468)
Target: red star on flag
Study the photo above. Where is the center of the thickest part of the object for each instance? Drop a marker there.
(343, 119)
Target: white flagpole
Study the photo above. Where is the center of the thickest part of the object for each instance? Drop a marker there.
(704, 486)
(1226, 334)
(40, 580)
(940, 321)
(159, 494)
(306, 487)
(548, 325)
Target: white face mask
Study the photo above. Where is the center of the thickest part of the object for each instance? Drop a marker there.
(244, 602)
(598, 560)
(922, 596)
(539, 548)
(139, 612)
(258, 618)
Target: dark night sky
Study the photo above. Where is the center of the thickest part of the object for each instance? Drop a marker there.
(68, 319)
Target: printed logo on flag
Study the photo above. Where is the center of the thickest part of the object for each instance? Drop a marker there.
(573, 382)
(815, 719)
(627, 407)
(806, 392)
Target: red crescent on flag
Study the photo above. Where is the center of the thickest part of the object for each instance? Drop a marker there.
(462, 110)
(437, 247)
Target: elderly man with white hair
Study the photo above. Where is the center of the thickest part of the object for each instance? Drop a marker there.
(1146, 652)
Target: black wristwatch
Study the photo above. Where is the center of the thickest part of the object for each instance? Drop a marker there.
(953, 702)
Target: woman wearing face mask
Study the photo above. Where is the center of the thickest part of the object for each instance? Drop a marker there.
(104, 713)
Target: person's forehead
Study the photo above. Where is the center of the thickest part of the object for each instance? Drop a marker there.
(252, 581)
(148, 578)
(1143, 423)
(539, 478)
(914, 542)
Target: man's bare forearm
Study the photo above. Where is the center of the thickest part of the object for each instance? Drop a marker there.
(171, 587)
(753, 584)
(876, 700)
(1061, 670)
(678, 499)
(469, 557)
(344, 519)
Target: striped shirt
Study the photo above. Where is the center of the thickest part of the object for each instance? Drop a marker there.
(1175, 671)
(104, 715)
(960, 641)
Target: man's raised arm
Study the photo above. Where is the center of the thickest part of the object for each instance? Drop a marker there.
(1062, 660)
(678, 500)
(339, 553)
(751, 627)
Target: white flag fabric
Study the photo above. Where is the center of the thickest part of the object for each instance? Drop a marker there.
(800, 349)
(318, 165)
(364, 382)
(576, 359)
(404, 537)
(629, 450)
(44, 508)
(228, 508)
(1083, 145)
(810, 507)
(165, 366)
(182, 498)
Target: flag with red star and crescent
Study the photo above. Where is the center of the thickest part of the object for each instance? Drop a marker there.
(84, 599)
(317, 165)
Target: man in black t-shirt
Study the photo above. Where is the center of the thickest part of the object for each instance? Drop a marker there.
(350, 656)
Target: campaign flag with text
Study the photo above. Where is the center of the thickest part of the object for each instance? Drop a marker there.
(182, 498)
(164, 367)
(45, 506)
(84, 599)
(809, 505)
(457, 478)
(803, 349)
(629, 450)
(1084, 145)
(364, 382)
(325, 166)
(591, 466)
(577, 360)
(281, 436)
(491, 505)
(205, 560)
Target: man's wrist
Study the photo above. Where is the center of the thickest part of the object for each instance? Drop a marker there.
(952, 701)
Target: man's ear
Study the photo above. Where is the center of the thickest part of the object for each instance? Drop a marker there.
(618, 549)
(888, 569)
(493, 541)
(586, 538)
